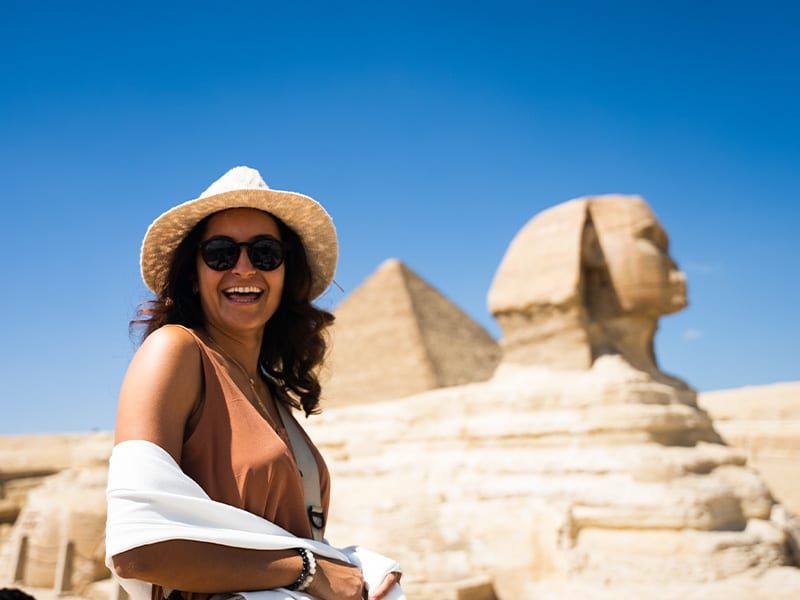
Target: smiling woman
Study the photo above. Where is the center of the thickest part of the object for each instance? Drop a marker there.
(231, 344)
(287, 313)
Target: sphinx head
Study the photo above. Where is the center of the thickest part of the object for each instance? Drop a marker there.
(585, 278)
(634, 247)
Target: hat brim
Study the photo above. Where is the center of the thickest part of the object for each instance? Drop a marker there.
(304, 215)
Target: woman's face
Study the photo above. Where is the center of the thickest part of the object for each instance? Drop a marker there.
(223, 309)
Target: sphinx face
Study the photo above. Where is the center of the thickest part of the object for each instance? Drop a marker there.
(636, 249)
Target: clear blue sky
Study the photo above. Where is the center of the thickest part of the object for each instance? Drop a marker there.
(431, 131)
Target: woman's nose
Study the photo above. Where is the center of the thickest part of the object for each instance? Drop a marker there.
(243, 264)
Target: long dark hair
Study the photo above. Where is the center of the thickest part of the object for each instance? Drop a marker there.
(294, 341)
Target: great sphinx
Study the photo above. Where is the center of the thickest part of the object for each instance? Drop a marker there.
(579, 460)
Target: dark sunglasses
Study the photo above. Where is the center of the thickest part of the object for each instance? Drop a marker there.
(222, 253)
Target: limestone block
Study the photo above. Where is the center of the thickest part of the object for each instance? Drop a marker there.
(22, 455)
(666, 554)
(26, 460)
(764, 421)
(778, 401)
(68, 507)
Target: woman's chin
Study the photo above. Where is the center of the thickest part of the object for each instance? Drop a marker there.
(241, 319)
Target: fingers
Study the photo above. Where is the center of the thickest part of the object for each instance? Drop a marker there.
(385, 587)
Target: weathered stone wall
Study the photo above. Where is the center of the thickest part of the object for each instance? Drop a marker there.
(764, 421)
(26, 460)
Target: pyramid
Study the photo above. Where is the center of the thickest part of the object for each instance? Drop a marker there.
(397, 335)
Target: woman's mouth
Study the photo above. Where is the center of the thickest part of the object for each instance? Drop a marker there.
(243, 294)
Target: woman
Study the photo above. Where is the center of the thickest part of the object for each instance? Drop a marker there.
(231, 342)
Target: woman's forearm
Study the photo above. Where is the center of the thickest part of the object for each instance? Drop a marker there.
(208, 568)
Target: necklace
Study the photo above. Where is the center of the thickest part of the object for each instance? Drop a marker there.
(278, 427)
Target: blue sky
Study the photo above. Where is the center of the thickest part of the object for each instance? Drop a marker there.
(430, 131)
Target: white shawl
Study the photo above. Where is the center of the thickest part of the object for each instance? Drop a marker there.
(150, 499)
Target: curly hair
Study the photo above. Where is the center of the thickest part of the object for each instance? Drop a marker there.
(294, 342)
(14, 594)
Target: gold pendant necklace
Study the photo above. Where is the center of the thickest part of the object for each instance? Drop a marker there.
(278, 427)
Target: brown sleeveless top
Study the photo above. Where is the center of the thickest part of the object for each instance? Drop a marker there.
(239, 459)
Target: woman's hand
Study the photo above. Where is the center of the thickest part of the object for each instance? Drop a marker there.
(336, 580)
(385, 587)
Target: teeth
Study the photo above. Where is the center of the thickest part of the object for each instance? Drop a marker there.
(243, 290)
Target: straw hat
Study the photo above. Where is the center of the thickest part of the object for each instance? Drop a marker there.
(243, 187)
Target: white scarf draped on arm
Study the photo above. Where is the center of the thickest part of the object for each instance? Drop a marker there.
(150, 499)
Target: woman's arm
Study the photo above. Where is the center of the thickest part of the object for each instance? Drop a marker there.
(159, 390)
(208, 568)
(212, 568)
(161, 386)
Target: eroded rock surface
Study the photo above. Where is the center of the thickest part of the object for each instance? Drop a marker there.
(764, 421)
(26, 460)
(67, 507)
(603, 473)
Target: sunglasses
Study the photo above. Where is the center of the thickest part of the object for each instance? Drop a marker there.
(221, 253)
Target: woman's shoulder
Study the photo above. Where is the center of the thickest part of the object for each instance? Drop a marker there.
(173, 338)
(175, 331)
(171, 348)
(160, 388)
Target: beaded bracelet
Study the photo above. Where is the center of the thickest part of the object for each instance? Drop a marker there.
(312, 570)
(307, 574)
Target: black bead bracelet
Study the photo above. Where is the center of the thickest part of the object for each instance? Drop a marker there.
(304, 573)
